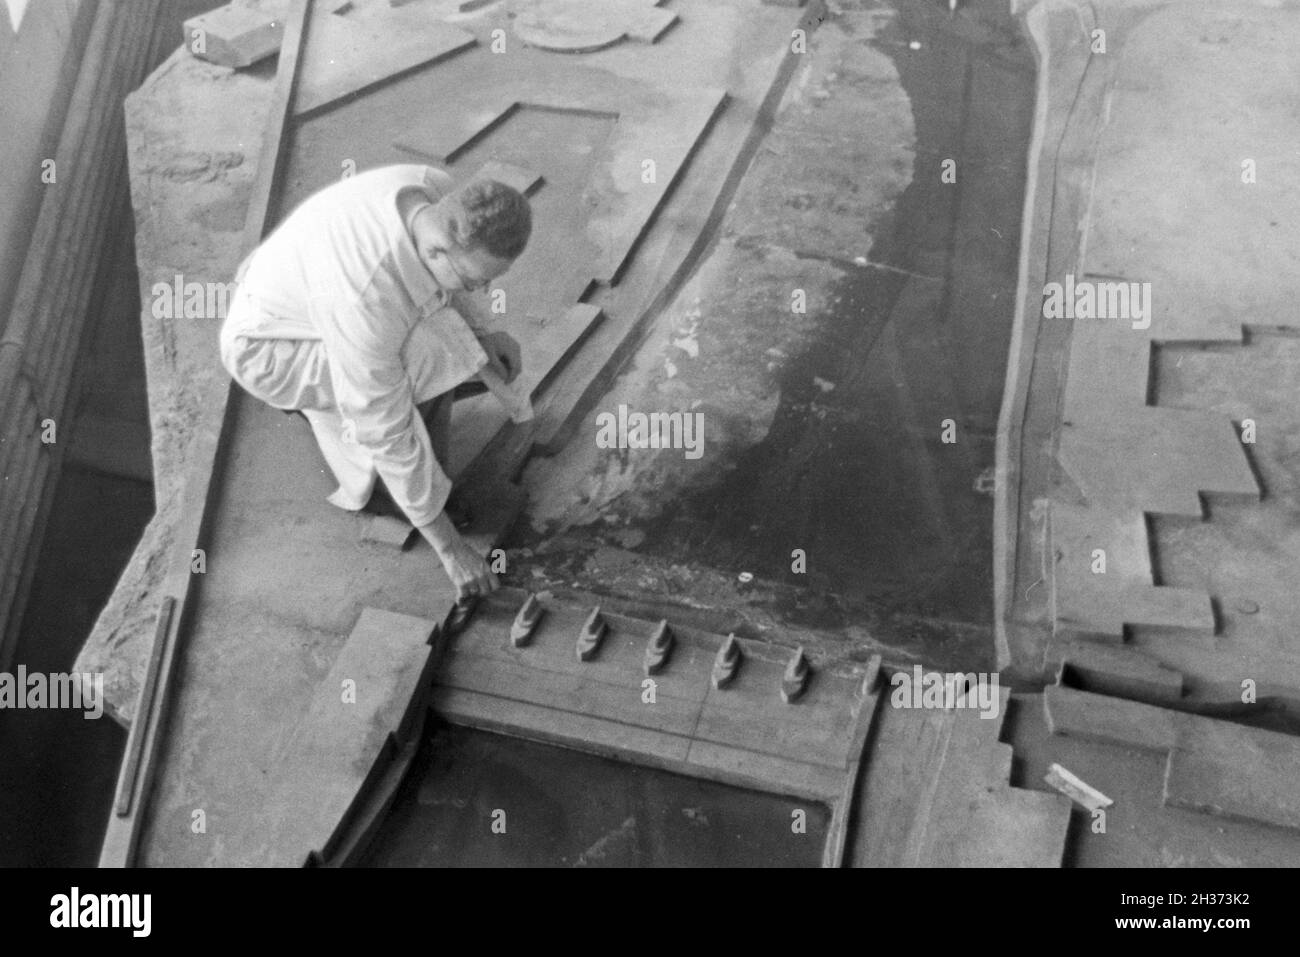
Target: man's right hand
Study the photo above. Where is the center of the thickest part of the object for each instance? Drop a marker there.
(467, 569)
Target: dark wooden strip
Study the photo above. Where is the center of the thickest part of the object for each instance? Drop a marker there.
(833, 855)
(135, 743)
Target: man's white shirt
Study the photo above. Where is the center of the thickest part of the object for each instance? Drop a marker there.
(343, 270)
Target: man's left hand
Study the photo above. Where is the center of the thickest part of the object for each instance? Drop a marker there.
(503, 354)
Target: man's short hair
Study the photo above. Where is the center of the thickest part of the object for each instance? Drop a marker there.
(487, 214)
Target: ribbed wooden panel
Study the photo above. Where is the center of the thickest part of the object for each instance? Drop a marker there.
(53, 302)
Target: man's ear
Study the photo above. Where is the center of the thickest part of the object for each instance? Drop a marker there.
(430, 222)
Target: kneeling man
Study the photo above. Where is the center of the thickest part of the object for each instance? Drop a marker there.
(344, 313)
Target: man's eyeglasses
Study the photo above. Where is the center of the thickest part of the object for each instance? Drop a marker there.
(470, 285)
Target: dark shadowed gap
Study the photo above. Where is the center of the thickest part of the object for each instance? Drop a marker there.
(554, 807)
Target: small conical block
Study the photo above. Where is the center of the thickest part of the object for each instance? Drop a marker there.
(795, 679)
(593, 632)
(727, 663)
(530, 613)
(658, 649)
(460, 614)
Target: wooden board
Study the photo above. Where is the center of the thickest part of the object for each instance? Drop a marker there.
(545, 347)
(843, 812)
(742, 729)
(442, 135)
(1155, 227)
(348, 55)
(668, 138)
(625, 197)
(332, 754)
(1234, 771)
(1142, 829)
(1110, 369)
(1103, 604)
(1113, 720)
(1069, 105)
(682, 755)
(576, 26)
(936, 793)
(1217, 767)
(367, 816)
(1121, 671)
(234, 36)
(1158, 460)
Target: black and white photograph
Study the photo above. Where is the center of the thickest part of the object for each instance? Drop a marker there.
(651, 434)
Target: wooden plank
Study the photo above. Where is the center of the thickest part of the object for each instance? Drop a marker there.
(349, 55)
(445, 134)
(122, 834)
(1158, 460)
(843, 814)
(566, 399)
(575, 26)
(234, 36)
(362, 822)
(1069, 105)
(558, 342)
(334, 751)
(1108, 613)
(783, 774)
(975, 818)
(546, 349)
(1006, 827)
(539, 722)
(386, 530)
(1110, 371)
(1156, 228)
(936, 793)
(1234, 771)
(1217, 767)
(749, 714)
(624, 203)
(346, 848)
(903, 764)
(239, 36)
(1076, 789)
(624, 211)
(675, 710)
(1123, 672)
(1109, 720)
(270, 160)
(1088, 602)
(817, 729)
(642, 746)
(129, 780)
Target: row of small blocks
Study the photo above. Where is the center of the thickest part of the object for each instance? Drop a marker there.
(726, 663)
